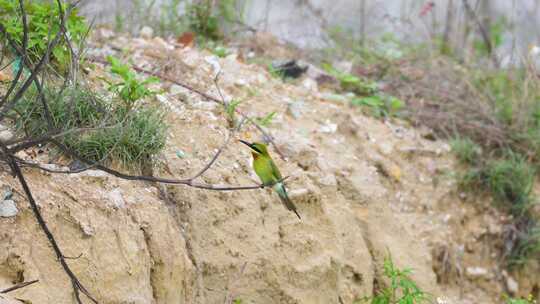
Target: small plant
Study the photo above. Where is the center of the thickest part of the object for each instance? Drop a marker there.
(129, 88)
(203, 21)
(230, 109)
(467, 151)
(220, 51)
(509, 180)
(113, 134)
(528, 300)
(43, 24)
(496, 32)
(380, 105)
(401, 290)
(526, 245)
(352, 83)
(266, 120)
(276, 73)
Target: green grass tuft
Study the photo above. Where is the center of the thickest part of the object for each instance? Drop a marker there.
(466, 151)
(130, 137)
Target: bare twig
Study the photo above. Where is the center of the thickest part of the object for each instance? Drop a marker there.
(483, 32)
(77, 286)
(18, 286)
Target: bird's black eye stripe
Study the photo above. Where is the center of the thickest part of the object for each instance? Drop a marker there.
(255, 148)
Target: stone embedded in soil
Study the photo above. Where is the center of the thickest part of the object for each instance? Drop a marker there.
(146, 32)
(512, 285)
(116, 199)
(6, 135)
(477, 273)
(8, 208)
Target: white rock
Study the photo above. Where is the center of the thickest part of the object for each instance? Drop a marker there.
(512, 285)
(295, 109)
(116, 199)
(310, 84)
(214, 62)
(6, 135)
(232, 57)
(162, 99)
(240, 82)
(205, 105)
(295, 193)
(476, 272)
(94, 173)
(146, 32)
(8, 208)
(328, 180)
(328, 127)
(261, 78)
(176, 89)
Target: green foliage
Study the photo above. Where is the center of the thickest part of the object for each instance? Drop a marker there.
(203, 20)
(169, 19)
(230, 109)
(129, 88)
(381, 105)
(276, 73)
(509, 180)
(111, 133)
(527, 245)
(401, 290)
(502, 91)
(367, 94)
(496, 32)
(135, 139)
(528, 300)
(467, 151)
(43, 23)
(205, 17)
(266, 120)
(352, 83)
(239, 301)
(220, 51)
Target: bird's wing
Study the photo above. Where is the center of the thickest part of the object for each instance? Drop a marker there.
(275, 170)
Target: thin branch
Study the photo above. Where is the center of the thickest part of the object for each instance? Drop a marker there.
(172, 181)
(18, 286)
(483, 32)
(77, 286)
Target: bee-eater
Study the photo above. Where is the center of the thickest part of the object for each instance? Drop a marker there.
(268, 172)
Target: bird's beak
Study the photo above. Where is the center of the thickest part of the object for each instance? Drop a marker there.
(245, 143)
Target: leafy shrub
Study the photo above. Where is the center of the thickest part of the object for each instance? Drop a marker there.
(43, 23)
(129, 88)
(402, 288)
(203, 21)
(529, 300)
(508, 179)
(381, 105)
(467, 151)
(131, 137)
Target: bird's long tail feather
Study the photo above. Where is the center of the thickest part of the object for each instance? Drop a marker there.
(282, 193)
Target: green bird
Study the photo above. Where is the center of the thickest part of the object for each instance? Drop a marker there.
(268, 172)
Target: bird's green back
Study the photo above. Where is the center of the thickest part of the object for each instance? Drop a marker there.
(266, 169)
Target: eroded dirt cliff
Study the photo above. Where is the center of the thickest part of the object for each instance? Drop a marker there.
(365, 188)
